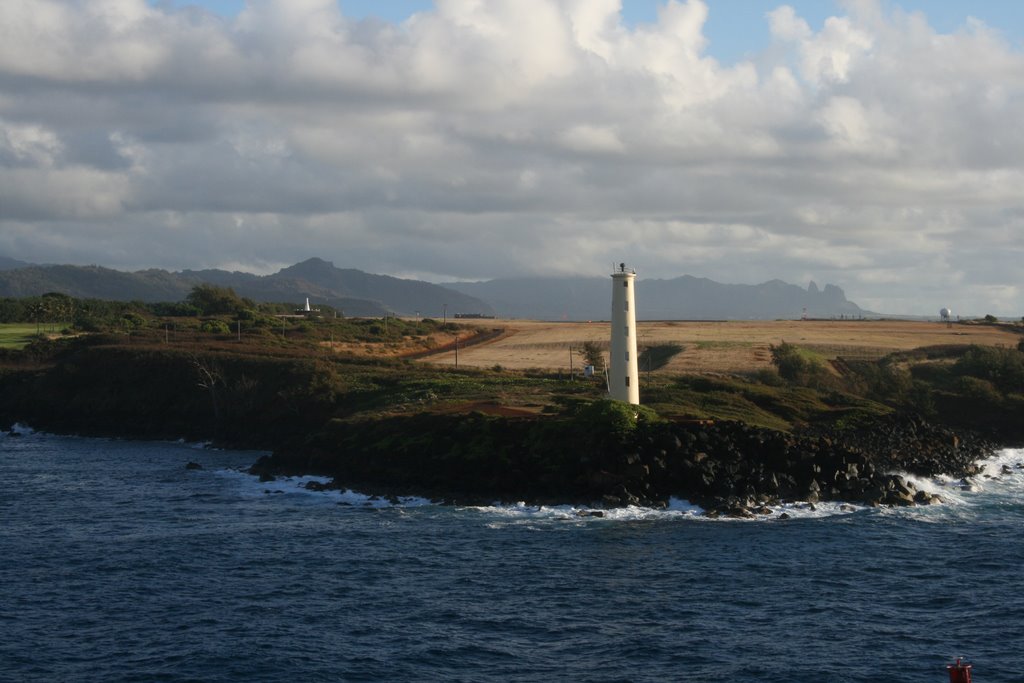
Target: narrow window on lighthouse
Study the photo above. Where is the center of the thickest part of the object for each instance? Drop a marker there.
(627, 306)
(625, 283)
(627, 380)
(627, 330)
(627, 356)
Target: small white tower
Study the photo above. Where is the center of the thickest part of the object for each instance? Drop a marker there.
(623, 376)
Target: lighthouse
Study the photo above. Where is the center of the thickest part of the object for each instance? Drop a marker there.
(623, 376)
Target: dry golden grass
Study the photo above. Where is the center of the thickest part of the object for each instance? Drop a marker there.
(731, 346)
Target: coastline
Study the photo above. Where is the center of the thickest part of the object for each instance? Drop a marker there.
(727, 468)
(398, 429)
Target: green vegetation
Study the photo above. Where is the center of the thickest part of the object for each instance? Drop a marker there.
(210, 311)
(214, 300)
(593, 355)
(258, 371)
(800, 366)
(980, 387)
(756, 402)
(17, 335)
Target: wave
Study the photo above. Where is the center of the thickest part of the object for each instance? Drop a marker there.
(19, 429)
(999, 483)
(308, 489)
(676, 509)
(1000, 480)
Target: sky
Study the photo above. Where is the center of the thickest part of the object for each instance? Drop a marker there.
(870, 144)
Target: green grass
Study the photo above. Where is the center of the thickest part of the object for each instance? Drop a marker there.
(734, 398)
(16, 335)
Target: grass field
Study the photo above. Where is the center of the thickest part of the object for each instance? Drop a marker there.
(721, 347)
(16, 335)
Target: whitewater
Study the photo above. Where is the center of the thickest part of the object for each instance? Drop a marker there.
(117, 563)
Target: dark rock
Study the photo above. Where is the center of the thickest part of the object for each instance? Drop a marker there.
(193, 466)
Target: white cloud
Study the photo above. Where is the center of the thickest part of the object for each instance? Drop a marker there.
(586, 138)
(786, 25)
(493, 138)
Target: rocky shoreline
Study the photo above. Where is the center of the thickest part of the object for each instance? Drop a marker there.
(727, 468)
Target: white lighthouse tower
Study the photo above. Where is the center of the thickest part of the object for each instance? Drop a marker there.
(623, 376)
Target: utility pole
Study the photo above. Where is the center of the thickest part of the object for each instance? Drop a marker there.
(445, 320)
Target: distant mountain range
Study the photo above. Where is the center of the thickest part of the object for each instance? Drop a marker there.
(352, 291)
(681, 298)
(364, 294)
(9, 263)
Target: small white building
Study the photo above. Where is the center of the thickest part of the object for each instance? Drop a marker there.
(623, 373)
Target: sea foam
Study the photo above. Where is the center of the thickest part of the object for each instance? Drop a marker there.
(1001, 479)
(299, 490)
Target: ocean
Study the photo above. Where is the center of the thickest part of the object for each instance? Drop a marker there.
(119, 564)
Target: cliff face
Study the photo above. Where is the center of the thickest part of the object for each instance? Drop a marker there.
(95, 388)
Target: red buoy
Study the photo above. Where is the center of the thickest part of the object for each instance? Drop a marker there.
(959, 672)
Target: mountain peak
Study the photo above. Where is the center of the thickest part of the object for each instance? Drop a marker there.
(310, 266)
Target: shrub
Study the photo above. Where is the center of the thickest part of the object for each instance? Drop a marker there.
(768, 377)
(978, 390)
(1004, 368)
(133, 321)
(215, 327)
(788, 361)
(613, 420)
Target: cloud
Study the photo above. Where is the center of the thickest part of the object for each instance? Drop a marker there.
(484, 139)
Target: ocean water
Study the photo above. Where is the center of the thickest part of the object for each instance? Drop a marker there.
(119, 564)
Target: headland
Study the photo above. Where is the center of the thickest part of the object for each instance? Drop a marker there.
(380, 405)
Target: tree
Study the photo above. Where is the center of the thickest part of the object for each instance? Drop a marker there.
(214, 300)
(593, 355)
